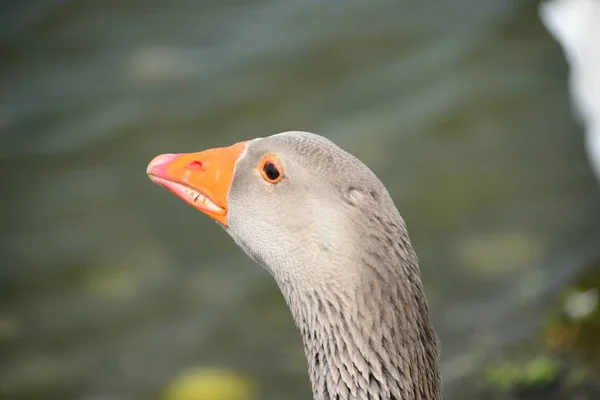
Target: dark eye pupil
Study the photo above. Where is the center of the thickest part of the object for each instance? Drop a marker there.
(271, 171)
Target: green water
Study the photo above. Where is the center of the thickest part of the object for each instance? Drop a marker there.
(110, 287)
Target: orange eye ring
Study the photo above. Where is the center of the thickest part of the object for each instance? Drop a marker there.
(270, 168)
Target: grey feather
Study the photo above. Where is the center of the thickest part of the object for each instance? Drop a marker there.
(332, 238)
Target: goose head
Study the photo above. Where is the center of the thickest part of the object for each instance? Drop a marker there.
(327, 230)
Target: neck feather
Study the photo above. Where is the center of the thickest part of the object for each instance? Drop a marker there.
(374, 341)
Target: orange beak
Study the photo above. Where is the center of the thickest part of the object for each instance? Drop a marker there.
(200, 179)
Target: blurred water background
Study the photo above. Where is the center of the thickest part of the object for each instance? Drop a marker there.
(111, 288)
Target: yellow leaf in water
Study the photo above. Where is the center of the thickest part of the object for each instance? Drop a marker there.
(211, 384)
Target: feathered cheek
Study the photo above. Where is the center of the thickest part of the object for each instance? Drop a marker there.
(328, 226)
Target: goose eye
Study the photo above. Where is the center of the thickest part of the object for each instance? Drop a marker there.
(271, 169)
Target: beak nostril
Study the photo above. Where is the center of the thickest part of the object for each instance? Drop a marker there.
(196, 164)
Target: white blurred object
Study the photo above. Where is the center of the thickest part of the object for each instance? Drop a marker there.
(581, 304)
(575, 24)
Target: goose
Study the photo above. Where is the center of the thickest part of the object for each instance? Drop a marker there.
(325, 227)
